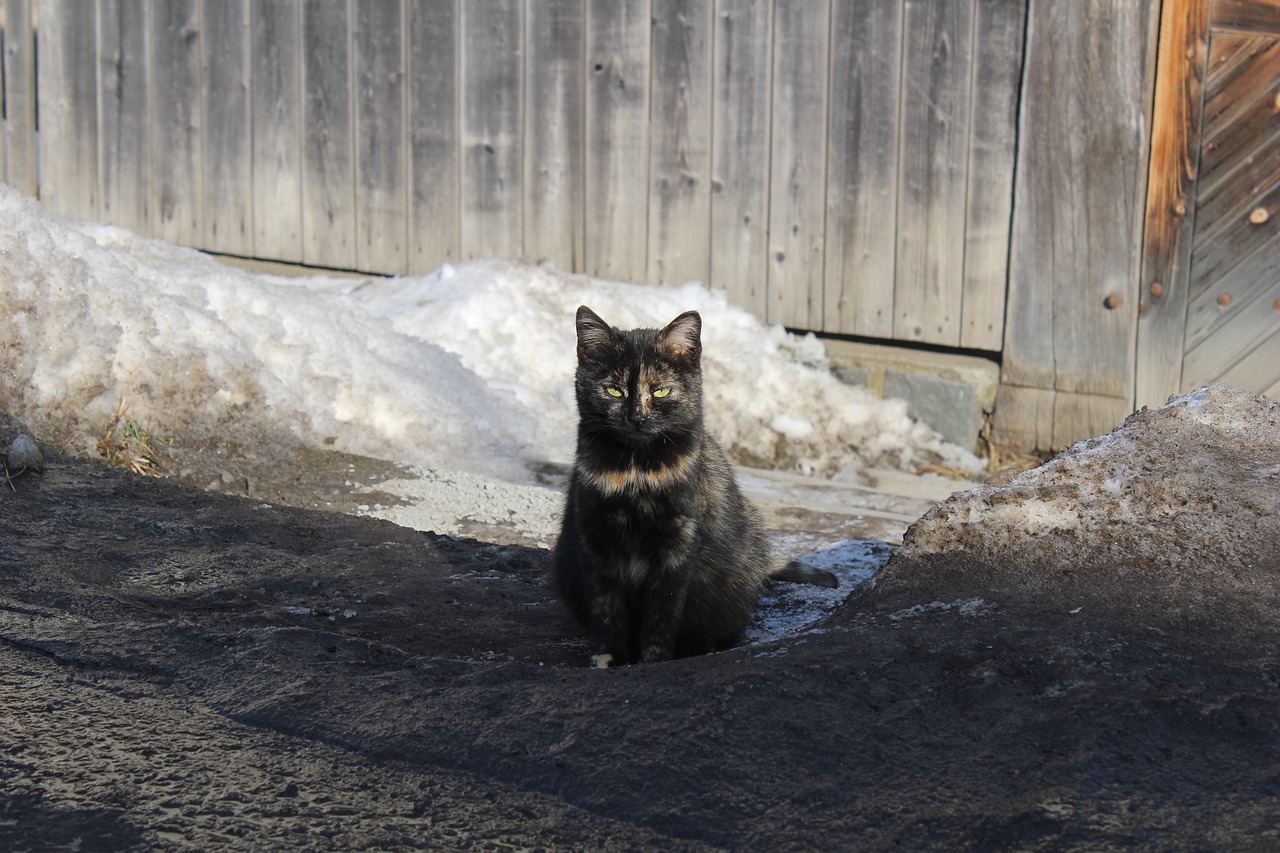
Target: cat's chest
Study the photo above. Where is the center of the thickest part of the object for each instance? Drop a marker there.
(640, 531)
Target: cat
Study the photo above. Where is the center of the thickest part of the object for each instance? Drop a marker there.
(660, 555)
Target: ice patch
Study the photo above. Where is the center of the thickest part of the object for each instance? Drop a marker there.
(787, 609)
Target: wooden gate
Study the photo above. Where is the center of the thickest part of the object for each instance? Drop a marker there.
(1210, 304)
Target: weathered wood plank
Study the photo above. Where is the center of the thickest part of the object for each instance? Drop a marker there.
(1077, 226)
(1254, 122)
(999, 26)
(616, 186)
(862, 167)
(1077, 417)
(328, 146)
(1251, 286)
(228, 152)
(1235, 81)
(1240, 330)
(1040, 419)
(68, 109)
(1259, 370)
(553, 132)
(20, 96)
(124, 130)
(1235, 196)
(1171, 190)
(680, 146)
(381, 197)
(1248, 227)
(1249, 16)
(1023, 419)
(742, 49)
(933, 171)
(175, 117)
(1221, 195)
(492, 160)
(798, 162)
(276, 69)
(433, 135)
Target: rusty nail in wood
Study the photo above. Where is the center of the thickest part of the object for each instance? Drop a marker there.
(1259, 215)
(1157, 289)
(1224, 299)
(1113, 301)
(1180, 209)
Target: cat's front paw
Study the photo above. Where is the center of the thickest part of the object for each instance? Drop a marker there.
(602, 660)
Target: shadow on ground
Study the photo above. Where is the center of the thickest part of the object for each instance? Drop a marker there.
(184, 669)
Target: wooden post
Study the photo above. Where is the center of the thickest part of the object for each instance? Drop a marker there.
(1171, 179)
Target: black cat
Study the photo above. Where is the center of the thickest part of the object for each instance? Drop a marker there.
(660, 555)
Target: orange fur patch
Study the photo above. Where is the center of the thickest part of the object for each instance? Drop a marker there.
(634, 479)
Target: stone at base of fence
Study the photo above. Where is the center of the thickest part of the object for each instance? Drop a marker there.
(952, 393)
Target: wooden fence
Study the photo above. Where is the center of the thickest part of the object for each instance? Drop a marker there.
(837, 165)
(966, 173)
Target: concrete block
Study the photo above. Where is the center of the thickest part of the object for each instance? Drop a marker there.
(951, 393)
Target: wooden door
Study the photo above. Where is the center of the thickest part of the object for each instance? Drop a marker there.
(1210, 305)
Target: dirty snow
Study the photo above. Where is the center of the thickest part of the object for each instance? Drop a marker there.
(466, 369)
(1169, 487)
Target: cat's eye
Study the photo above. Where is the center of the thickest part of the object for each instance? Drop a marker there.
(613, 392)
(661, 392)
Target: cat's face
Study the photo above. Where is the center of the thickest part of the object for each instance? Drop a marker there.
(643, 385)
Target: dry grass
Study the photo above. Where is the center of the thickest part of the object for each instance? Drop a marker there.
(1001, 457)
(127, 444)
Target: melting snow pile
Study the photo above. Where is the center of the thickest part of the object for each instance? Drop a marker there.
(1191, 485)
(469, 368)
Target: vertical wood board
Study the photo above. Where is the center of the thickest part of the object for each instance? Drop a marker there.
(999, 26)
(491, 155)
(1171, 186)
(276, 71)
(553, 132)
(20, 96)
(68, 108)
(680, 148)
(381, 197)
(328, 146)
(433, 134)
(616, 188)
(1077, 207)
(175, 116)
(798, 162)
(740, 126)
(933, 171)
(228, 153)
(124, 130)
(862, 167)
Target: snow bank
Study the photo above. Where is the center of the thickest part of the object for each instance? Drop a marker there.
(469, 368)
(1186, 487)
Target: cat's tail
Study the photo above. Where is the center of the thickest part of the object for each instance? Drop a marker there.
(796, 572)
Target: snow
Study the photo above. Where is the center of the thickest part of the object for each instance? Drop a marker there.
(468, 369)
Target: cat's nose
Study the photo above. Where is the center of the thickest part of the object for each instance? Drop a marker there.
(637, 417)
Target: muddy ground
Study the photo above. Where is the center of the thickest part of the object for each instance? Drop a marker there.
(181, 669)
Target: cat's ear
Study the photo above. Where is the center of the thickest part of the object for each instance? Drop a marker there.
(683, 336)
(593, 332)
